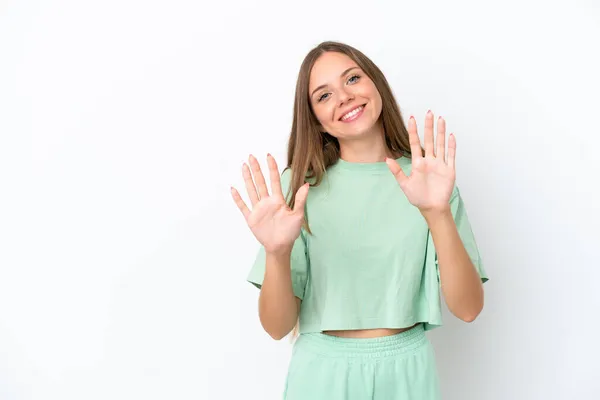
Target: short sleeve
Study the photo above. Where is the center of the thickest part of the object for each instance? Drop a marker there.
(459, 212)
(298, 260)
(298, 265)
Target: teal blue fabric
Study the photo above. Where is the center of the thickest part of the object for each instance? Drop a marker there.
(370, 261)
(397, 367)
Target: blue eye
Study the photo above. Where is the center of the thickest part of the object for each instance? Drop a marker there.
(322, 97)
(352, 77)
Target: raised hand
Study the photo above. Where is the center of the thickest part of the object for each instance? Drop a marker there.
(274, 224)
(432, 178)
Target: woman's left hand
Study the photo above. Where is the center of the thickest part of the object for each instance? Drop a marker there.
(432, 178)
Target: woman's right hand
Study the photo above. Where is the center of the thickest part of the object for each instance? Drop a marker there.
(274, 224)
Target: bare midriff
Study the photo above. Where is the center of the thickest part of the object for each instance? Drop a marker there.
(368, 333)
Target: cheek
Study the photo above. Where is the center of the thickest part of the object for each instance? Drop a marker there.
(324, 114)
(376, 100)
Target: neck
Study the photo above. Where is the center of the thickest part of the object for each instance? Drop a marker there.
(366, 149)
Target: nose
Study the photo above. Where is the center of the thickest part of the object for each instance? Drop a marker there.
(344, 96)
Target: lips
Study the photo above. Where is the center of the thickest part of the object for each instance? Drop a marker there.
(351, 117)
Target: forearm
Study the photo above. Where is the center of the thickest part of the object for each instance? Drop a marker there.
(461, 284)
(278, 306)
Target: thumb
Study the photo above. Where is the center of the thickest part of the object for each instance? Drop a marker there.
(396, 170)
(301, 196)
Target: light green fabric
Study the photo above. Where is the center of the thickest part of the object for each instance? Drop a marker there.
(398, 367)
(370, 261)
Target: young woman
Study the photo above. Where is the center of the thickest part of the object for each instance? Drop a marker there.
(359, 235)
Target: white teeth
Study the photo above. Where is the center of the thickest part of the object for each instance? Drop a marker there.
(352, 113)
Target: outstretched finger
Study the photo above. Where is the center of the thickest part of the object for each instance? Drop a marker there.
(261, 185)
(452, 150)
(240, 203)
(274, 176)
(250, 188)
(300, 200)
(429, 150)
(413, 138)
(441, 139)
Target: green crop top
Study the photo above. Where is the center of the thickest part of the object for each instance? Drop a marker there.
(370, 260)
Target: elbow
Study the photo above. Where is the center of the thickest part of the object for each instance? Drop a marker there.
(471, 310)
(275, 329)
(276, 334)
(470, 316)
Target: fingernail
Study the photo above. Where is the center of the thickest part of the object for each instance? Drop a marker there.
(269, 155)
(428, 111)
(411, 117)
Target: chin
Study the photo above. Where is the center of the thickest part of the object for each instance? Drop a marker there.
(353, 135)
(357, 131)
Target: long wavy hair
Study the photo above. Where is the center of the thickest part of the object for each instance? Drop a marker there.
(310, 151)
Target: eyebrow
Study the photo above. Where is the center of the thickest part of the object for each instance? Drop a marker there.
(322, 86)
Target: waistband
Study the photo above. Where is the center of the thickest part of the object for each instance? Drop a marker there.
(378, 347)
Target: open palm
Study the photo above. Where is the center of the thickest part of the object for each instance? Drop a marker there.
(431, 181)
(274, 224)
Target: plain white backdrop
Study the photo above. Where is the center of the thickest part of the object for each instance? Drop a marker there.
(124, 123)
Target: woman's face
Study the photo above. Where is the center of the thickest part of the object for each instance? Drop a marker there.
(344, 99)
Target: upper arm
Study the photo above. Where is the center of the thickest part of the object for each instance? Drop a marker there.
(465, 231)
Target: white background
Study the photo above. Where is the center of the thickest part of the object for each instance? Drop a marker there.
(123, 124)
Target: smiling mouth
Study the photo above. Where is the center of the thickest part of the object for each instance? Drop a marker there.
(352, 115)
